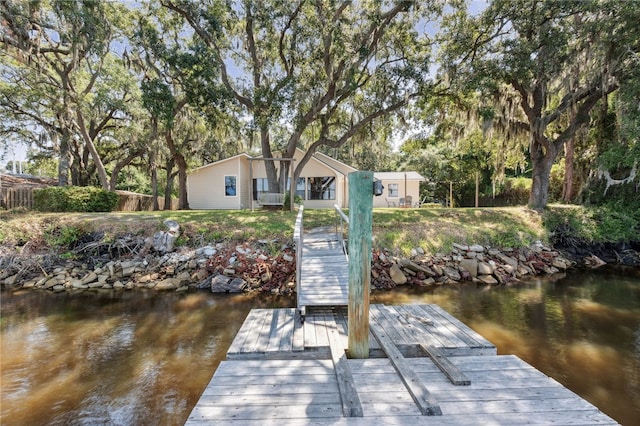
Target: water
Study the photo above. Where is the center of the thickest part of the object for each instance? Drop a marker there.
(127, 358)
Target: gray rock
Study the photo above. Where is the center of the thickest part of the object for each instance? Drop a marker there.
(412, 266)
(223, 284)
(487, 279)
(10, 281)
(452, 273)
(89, 278)
(470, 265)
(166, 284)
(287, 257)
(507, 259)
(163, 241)
(485, 268)
(476, 248)
(397, 276)
(461, 247)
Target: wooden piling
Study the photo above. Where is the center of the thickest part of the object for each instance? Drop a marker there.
(360, 233)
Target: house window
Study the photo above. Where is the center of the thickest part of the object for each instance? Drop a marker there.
(260, 186)
(393, 189)
(300, 185)
(322, 188)
(230, 186)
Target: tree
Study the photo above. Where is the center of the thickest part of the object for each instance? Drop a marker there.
(180, 90)
(324, 69)
(560, 58)
(61, 80)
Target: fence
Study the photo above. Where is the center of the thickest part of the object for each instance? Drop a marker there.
(12, 198)
(16, 197)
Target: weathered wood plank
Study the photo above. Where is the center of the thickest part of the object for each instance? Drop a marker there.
(351, 406)
(593, 417)
(454, 374)
(422, 397)
(245, 334)
(480, 341)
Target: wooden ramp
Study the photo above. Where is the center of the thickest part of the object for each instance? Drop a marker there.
(324, 271)
(282, 371)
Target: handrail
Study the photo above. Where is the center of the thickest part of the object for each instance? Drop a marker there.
(340, 230)
(298, 232)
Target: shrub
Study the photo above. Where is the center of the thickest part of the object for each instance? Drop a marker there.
(74, 199)
(287, 201)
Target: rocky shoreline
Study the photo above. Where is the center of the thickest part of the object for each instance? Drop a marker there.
(132, 262)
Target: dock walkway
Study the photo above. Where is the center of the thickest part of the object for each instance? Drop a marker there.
(281, 370)
(323, 267)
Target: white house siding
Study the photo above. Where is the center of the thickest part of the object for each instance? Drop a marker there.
(206, 185)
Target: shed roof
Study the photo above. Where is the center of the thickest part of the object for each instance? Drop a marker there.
(399, 176)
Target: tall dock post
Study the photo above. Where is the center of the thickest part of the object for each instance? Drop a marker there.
(360, 220)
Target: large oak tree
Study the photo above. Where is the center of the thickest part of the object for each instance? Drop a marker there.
(560, 58)
(323, 70)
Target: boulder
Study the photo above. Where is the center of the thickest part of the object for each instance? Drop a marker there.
(487, 279)
(223, 284)
(507, 260)
(485, 268)
(470, 265)
(452, 273)
(166, 284)
(412, 266)
(397, 276)
(89, 278)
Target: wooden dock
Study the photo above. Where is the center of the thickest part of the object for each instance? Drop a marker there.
(323, 268)
(291, 366)
(425, 367)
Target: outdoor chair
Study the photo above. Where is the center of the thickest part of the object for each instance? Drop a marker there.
(408, 200)
(390, 203)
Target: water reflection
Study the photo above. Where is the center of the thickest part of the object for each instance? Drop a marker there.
(144, 358)
(113, 358)
(581, 329)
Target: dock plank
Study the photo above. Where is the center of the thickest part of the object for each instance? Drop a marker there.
(285, 386)
(427, 404)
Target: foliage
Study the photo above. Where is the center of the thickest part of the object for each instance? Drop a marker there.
(592, 225)
(74, 199)
(287, 201)
(543, 66)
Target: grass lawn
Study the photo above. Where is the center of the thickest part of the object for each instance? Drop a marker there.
(433, 229)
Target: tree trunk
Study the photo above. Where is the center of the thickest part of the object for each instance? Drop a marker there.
(64, 163)
(541, 162)
(154, 179)
(102, 173)
(567, 187)
(168, 190)
(269, 165)
(183, 202)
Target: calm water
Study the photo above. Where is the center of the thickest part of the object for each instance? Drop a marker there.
(144, 358)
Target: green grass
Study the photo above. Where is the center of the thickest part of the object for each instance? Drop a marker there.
(399, 230)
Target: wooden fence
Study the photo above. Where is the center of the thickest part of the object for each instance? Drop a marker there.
(11, 198)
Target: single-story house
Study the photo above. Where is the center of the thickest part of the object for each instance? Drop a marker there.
(233, 183)
(240, 182)
(399, 188)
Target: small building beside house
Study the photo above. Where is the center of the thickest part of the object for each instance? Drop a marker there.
(399, 187)
(237, 182)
